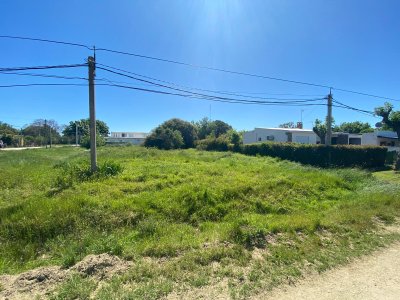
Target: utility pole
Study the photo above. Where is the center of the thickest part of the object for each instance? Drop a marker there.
(76, 134)
(45, 125)
(50, 135)
(92, 113)
(329, 120)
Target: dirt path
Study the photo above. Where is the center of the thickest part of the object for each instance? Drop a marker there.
(373, 277)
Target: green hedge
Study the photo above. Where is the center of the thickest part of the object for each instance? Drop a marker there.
(321, 155)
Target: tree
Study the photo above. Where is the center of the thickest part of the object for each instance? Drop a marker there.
(38, 132)
(391, 119)
(287, 125)
(84, 129)
(7, 129)
(354, 127)
(220, 128)
(320, 129)
(205, 127)
(186, 129)
(164, 138)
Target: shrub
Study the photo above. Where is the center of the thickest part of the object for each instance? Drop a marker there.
(321, 155)
(85, 141)
(213, 144)
(164, 138)
(79, 172)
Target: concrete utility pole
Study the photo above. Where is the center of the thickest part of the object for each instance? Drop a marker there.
(50, 135)
(92, 113)
(45, 124)
(329, 120)
(76, 134)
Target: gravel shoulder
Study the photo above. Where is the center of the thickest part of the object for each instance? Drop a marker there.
(372, 277)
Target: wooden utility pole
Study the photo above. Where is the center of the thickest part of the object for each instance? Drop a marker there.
(92, 113)
(329, 120)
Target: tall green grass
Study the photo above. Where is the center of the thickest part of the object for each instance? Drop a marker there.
(190, 208)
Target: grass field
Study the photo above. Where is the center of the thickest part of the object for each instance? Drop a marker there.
(186, 218)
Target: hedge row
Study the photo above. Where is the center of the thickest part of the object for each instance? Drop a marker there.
(316, 155)
(321, 155)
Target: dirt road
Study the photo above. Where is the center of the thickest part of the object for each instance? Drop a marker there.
(373, 277)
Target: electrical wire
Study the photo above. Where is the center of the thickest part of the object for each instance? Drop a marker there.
(205, 95)
(41, 67)
(42, 75)
(198, 89)
(42, 84)
(353, 108)
(247, 74)
(211, 98)
(199, 66)
(47, 41)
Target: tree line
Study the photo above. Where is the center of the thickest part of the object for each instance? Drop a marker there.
(44, 132)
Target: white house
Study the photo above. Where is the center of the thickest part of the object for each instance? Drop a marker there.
(296, 135)
(382, 138)
(135, 138)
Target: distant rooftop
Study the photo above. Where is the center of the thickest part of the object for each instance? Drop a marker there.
(129, 134)
(387, 134)
(286, 129)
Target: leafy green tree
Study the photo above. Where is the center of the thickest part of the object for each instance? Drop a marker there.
(7, 129)
(85, 142)
(186, 129)
(391, 119)
(38, 132)
(353, 127)
(220, 127)
(84, 129)
(320, 129)
(205, 127)
(287, 125)
(165, 138)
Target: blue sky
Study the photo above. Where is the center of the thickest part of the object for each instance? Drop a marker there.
(348, 44)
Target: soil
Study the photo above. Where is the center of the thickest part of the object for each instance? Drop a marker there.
(373, 277)
(42, 281)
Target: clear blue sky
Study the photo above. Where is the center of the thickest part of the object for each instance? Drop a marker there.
(348, 44)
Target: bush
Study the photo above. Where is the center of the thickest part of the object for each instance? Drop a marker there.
(164, 138)
(75, 173)
(321, 155)
(85, 141)
(213, 144)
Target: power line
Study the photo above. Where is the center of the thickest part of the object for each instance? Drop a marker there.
(205, 95)
(237, 101)
(246, 74)
(198, 89)
(42, 75)
(46, 41)
(41, 67)
(200, 66)
(42, 84)
(342, 105)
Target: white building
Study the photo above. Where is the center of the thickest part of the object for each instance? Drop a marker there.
(135, 138)
(296, 135)
(382, 138)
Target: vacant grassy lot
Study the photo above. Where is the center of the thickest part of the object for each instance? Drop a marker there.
(187, 219)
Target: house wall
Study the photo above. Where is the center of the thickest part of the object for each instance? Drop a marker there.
(370, 139)
(134, 141)
(273, 135)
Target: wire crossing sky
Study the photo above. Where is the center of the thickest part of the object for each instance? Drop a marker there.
(223, 54)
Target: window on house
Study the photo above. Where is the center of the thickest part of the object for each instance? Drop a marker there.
(259, 139)
(123, 135)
